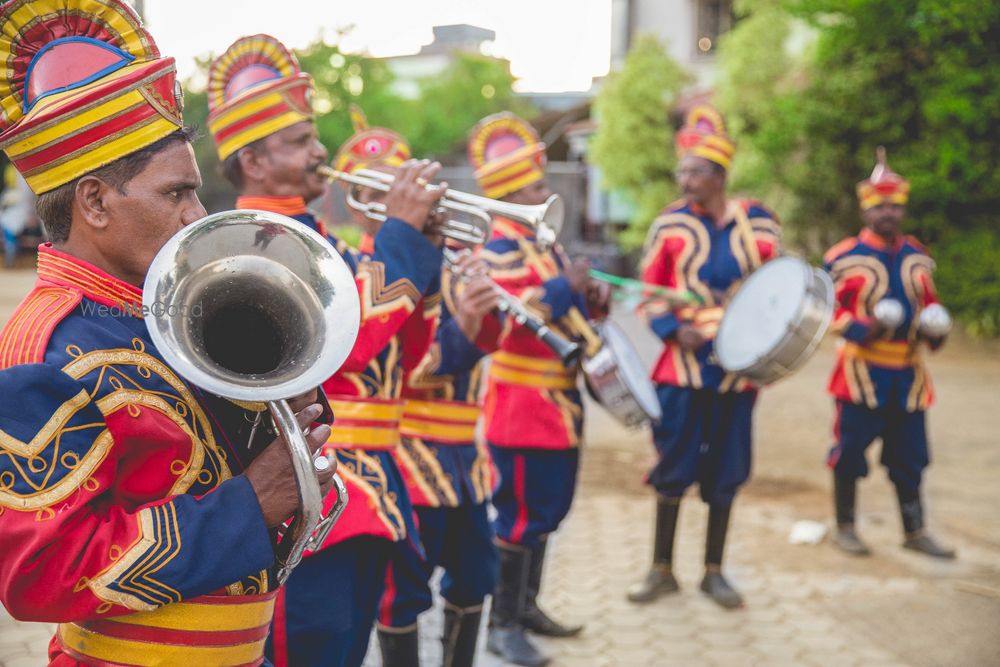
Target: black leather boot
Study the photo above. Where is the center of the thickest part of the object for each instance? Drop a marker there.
(844, 500)
(533, 618)
(660, 578)
(461, 632)
(399, 646)
(506, 636)
(714, 584)
(917, 538)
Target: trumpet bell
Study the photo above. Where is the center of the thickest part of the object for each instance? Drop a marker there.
(251, 305)
(553, 214)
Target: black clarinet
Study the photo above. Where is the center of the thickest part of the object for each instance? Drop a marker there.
(567, 351)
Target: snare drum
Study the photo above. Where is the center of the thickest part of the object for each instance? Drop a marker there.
(618, 379)
(775, 321)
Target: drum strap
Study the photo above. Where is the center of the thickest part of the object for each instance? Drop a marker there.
(745, 229)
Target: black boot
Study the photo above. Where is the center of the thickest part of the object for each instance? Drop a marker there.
(461, 632)
(533, 618)
(917, 538)
(714, 584)
(399, 646)
(660, 578)
(844, 499)
(506, 636)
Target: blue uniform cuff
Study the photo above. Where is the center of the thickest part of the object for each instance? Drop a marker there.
(664, 326)
(558, 296)
(223, 538)
(857, 332)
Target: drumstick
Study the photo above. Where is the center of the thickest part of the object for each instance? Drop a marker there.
(674, 296)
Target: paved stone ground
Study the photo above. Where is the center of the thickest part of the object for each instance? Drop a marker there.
(806, 605)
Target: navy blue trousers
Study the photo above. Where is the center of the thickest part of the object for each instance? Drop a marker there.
(327, 608)
(704, 437)
(905, 452)
(535, 491)
(458, 539)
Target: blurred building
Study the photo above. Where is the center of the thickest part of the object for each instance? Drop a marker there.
(689, 29)
(434, 58)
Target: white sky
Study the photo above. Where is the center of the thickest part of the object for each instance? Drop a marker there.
(553, 45)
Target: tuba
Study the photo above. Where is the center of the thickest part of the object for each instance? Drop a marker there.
(254, 306)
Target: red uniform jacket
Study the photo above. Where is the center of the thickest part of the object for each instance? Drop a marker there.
(531, 398)
(442, 461)
(686, 251)
(889, 370)
(121, 490)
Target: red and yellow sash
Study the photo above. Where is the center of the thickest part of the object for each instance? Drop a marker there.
(531, 372)
(441, 422)
(888, 354)
(221, 630)
(365, 423)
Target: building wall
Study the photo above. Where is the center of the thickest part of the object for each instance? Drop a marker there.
(675, 22)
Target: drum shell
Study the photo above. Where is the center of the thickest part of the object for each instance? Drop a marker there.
(803, 334)
(606, 379)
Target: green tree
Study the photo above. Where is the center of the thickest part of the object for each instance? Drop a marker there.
(921, 77)
(633, 145)
(343, 79)
(451, 103)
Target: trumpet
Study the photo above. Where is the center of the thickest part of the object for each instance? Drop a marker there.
(545, 220)
(567, 351)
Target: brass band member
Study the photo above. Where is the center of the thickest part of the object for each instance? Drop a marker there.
(132, 511)
(449, 477)
(886, 310)
(706, 244)
(532, 412)
(267, 140)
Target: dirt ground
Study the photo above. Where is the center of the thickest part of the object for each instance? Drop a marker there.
(943, 614)
(922, 613)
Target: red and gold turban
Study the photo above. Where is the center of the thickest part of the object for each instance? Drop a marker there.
(704, 135)
(370, 147)
(884, 186)
(255, 89)
(84, 85)
(506, 153)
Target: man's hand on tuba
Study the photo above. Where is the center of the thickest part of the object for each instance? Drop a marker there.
(271, 474)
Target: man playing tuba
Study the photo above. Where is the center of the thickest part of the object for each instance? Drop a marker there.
(133, 512)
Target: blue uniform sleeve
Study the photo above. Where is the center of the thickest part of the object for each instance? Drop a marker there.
(407, 254)
(665, 325)
(559, 297)
(79, 534)
(458, 353)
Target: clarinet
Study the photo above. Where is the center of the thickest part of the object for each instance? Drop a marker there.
(567, 351)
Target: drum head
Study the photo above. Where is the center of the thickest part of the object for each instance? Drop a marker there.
(631, 369)
(759, 315)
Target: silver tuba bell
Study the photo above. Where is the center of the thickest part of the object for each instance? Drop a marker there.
(277, 314)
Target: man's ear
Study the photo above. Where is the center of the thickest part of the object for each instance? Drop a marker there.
(91, 201)
(251, 164)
